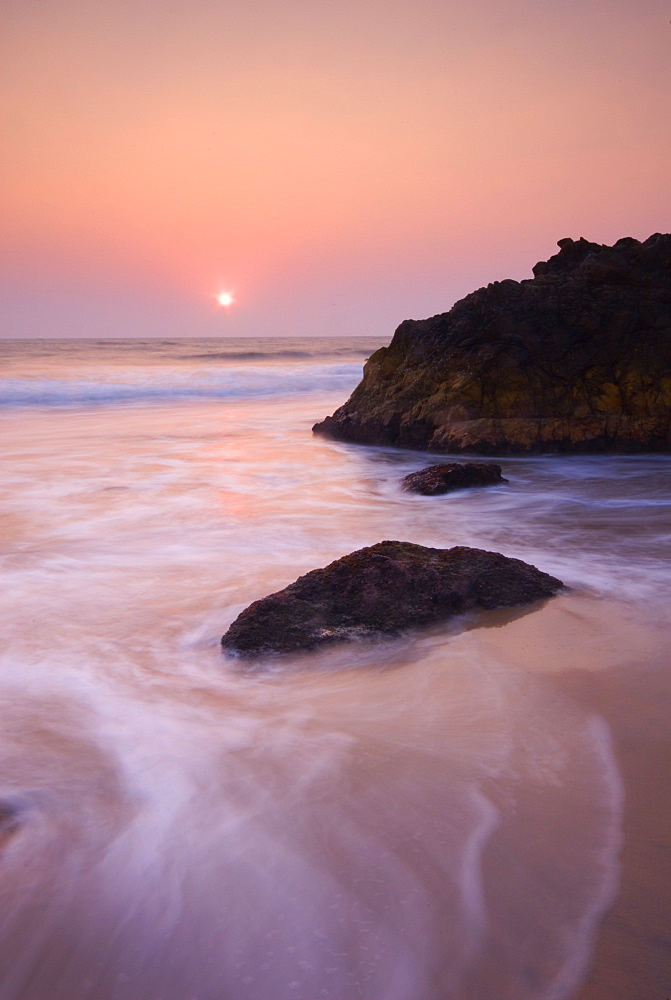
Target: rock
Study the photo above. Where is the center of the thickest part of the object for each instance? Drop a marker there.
(575, 359)
(435, 479)
(9, 821)
(380, 590)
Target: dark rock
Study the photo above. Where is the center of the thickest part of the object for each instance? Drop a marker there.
(9, 820)
(444, 478)
(575, 359)
(380, 590)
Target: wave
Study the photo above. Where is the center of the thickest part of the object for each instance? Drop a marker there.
(248, 384)
(248, 355)
(215, 351)
(272, 355)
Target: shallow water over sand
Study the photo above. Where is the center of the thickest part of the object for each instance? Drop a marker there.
(421, 819)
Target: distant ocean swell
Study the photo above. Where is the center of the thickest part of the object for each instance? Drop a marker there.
(159, 387)
(247, 355)
(271, 355)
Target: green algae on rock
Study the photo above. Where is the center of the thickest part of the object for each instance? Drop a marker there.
(380, 590)
(575, 359)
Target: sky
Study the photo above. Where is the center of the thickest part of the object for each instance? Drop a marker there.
(337, 167)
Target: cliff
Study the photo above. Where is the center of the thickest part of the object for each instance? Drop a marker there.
(577, 358)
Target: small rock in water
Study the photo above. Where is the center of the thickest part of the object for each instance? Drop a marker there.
(9, 821)
(444, 478)
(380, 590)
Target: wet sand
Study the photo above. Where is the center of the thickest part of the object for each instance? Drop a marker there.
(620, 669)
(385, 723)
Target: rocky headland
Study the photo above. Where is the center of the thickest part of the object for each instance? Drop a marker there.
(381, 590)
(575, 359)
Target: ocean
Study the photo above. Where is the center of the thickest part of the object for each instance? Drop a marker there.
(433, 817)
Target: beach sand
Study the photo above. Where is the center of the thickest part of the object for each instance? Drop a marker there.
(618, 666)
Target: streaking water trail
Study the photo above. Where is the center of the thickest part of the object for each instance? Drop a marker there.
(414, 820)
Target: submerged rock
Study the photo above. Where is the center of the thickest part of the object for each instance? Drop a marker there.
(378, 591)
(444, 478)
(575, 359)
(9, 820)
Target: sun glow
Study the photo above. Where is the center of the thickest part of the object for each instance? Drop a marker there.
(225, 299)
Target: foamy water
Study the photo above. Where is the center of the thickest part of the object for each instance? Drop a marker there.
(410, 820)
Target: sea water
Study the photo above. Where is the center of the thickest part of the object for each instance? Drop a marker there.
(404, 820)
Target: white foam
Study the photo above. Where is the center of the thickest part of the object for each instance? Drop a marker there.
(579, 952)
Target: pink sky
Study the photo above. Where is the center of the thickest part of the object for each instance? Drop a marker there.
(339, 166)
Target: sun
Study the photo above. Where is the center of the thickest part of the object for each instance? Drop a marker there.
(225, 299)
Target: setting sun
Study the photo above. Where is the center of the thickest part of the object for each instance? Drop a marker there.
(225, 299)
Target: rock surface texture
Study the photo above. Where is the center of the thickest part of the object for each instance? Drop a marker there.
(575, 359)
(380, 590)
(450, 476)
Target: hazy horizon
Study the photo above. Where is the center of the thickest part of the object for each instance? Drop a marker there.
(216, 337)
(337, 169)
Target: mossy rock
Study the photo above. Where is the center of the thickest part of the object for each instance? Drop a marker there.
(577, 358)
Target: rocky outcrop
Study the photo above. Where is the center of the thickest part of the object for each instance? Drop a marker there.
(575, 359)
(435, 479)
(380, 590)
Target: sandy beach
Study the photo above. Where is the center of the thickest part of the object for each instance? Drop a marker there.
(618, 667)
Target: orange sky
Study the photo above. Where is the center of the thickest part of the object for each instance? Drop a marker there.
(339, 166)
